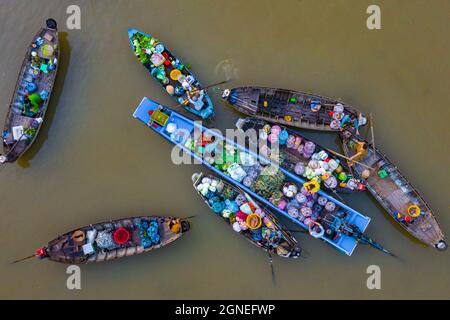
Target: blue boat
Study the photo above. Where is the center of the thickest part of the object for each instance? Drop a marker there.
(171, 73)
(342, 227)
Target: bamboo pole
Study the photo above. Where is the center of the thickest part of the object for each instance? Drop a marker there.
(371, 131)
(349, 159)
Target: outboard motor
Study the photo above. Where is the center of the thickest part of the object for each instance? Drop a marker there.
(297, 252)
(441, 245)
(185, 226)
(51, 24)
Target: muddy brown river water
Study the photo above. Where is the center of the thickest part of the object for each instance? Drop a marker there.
(93, 161)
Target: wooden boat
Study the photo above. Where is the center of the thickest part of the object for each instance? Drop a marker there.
(171, 73)
(394, 192)
(293, 108)
(258, 226)
(338, 225)
(114, 239)
(301, 156)
(31, 93)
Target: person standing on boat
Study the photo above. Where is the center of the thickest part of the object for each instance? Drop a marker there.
(195, 97)
(175, 225)
(361, 151)
(352, 120)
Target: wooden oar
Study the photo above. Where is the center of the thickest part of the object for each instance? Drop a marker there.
(196, 90)
(19, 260)
(190, 217)
(298, 231)
(371, 131)
(216, 84)
(344, 148)
(349, 159)
(337, 195)
(271, 268)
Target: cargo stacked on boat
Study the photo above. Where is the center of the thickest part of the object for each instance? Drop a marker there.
(301, 156)
(245, 216)
(171, 73)
(294, 108)
(32, 93)
(114, 239)
(341, 226)
(301, 202)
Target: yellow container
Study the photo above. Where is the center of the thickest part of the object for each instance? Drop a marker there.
(174, 74)
(253, 221)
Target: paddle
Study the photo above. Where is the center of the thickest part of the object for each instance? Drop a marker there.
(190, 217)
(337, 195)
(353, 231)
(372, 134)
(348, 159)
(371, 131)
(196, 90)
(26, 258)
(271, 268)
(298, 231)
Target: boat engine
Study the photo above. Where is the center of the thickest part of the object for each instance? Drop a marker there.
(51, 24)
(441, 245)
(185, 226)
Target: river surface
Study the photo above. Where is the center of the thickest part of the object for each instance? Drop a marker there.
(94, 162)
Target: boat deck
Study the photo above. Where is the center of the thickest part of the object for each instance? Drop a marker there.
(208, 109)
(275, 105)
(64, 249)
(45, 81)
(395, 193)
(345, 244)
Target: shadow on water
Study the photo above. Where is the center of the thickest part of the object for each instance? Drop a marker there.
(64, 60)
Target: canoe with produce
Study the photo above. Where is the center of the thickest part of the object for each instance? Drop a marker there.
(171, 73)
(294, 108)
(31, 94)
(301, 156)
(321, 215)
(393, 191)
(114, 239)
(245, 216)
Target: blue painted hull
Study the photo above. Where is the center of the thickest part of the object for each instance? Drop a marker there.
(344, 243)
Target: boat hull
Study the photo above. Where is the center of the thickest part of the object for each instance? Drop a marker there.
(144, 112)
(396, 194)
(285, 247)
(288, 107)
(292, 156)
(68, 249)
(171, 84)
(16, 143)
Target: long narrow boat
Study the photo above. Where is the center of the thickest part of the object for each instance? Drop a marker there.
(31, 94)
(171, 73)
(293, 108)
(394, 192)
(302, 156)
(325, 217)
(246, 217)
(114, 239)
